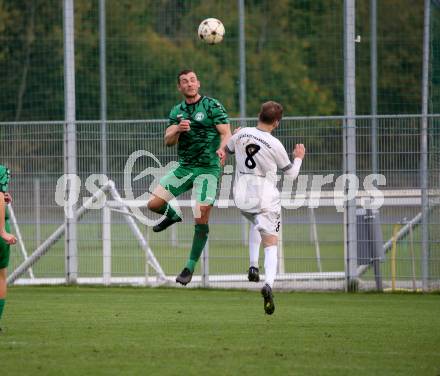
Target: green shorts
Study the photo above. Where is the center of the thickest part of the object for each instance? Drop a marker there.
(203, 179)
(4, 249)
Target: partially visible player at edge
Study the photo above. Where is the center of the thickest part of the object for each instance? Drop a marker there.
(200, 127)
(6, 239)
(258, 156)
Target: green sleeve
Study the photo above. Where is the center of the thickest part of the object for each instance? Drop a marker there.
(219, 114)
(4, 178)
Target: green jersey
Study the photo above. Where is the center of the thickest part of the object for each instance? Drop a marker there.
(4, 181)
(4, 247)
(197, 147)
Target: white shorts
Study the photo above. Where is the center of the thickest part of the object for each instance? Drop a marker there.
(266, 222)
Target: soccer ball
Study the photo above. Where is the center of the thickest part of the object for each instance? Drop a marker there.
(211, 31)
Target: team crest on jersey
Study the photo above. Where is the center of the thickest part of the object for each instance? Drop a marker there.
(199, 116)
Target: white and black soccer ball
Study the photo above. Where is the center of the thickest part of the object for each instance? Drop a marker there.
(211, 31)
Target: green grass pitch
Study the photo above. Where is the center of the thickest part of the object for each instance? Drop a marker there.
(143, 331)
(228, 255)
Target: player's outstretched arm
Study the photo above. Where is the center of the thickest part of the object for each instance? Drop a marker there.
(298, 155)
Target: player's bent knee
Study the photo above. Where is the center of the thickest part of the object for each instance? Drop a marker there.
(151, 205)
(269, 240)
(155, 204)
(203, 217)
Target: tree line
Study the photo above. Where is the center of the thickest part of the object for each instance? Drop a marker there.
(294, 54)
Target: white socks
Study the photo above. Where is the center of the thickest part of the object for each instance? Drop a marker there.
(270, 264)
(270, 255)
(254, 245)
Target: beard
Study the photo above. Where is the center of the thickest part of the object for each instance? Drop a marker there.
(192, 95)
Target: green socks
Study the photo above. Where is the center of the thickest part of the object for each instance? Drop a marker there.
(169, 212)
(199, 241)
(2, 305)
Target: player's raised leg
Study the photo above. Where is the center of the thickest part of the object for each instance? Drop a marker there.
(201, 231)
(158, 203)
(204, 193)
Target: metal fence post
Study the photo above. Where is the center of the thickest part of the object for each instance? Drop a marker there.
(71, 247)
(242, 59)
(37, 206)
(106, 246)
(350, 141)
(373, 93)
(424, 150)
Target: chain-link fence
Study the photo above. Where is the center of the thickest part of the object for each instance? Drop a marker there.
(312, 246)
(126, 58)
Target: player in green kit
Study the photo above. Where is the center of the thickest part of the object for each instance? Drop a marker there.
(199, 126)
(6, 239)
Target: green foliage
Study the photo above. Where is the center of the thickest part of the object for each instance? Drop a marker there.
(294, 54)
(400, 51)
(31, 61)
(435, 59)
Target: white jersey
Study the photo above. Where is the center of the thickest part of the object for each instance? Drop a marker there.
(258, 156)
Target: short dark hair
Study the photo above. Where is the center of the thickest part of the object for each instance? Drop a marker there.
(181, 73)
(270, 112)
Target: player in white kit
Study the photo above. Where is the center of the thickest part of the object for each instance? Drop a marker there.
(258, 156)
